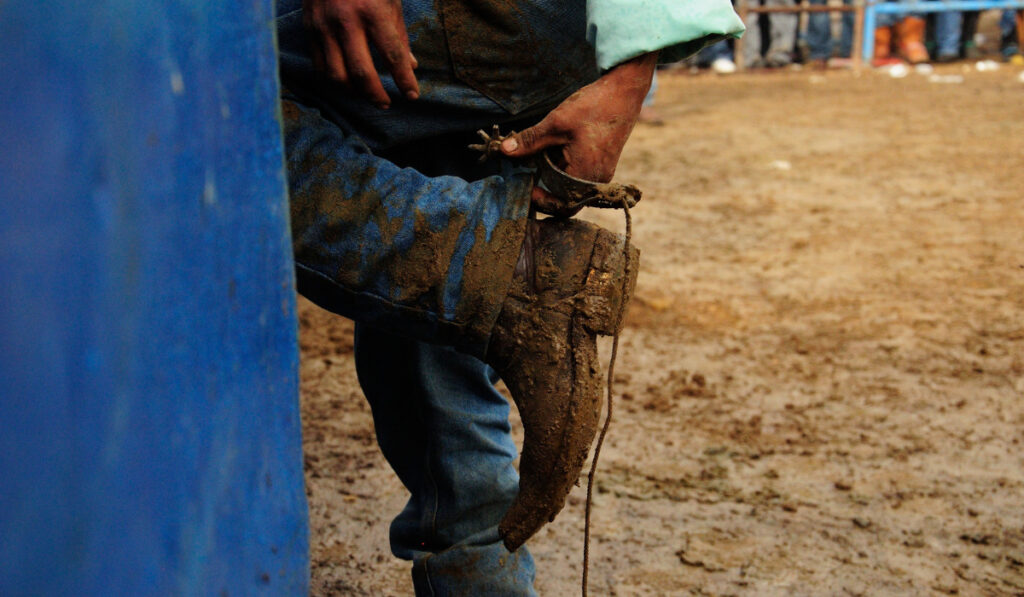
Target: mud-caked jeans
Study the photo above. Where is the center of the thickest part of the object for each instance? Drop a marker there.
(415, 259)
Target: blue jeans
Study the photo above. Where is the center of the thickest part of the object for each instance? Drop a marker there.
(444, 429)
(1008, 45)
(649, 98)
(719, 49)
(947, 33)
(396, 225)
(819, 33)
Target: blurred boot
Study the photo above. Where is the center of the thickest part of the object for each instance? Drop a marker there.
(910, 34)
(1020, 28)
(883, 45)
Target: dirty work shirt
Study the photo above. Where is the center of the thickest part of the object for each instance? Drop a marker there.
(393, 223)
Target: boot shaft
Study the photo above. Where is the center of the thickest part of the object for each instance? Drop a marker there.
(883, 42)
(910, 32)
(575, 267)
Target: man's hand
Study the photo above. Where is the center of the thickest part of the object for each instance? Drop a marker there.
(591, 125)
(341, 32)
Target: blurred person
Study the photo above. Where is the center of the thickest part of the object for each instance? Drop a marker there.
(782, 28)
(910, 33)
(968, 30)
(1011, 42)
(947, 31)
(905, 32)
(717, 57)
(819, 36)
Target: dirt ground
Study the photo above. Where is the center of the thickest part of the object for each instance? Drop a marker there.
(820, 388)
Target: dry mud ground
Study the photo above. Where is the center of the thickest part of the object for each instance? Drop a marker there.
(821, 384)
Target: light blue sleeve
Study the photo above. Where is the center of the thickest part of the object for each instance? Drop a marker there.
(624, 29)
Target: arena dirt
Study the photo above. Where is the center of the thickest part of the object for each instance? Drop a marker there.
(821, 380)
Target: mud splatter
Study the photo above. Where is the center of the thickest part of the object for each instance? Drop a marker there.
(367, 240)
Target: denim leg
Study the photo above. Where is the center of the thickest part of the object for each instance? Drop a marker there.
(444, 429)
(819, 33)
(713, 52)
(947, 33)
(649, 98)
(1009, 43)
(782, 29)
(888, 19)
(752, 36)
(846, 37)
(430, 257)
(1007, 23)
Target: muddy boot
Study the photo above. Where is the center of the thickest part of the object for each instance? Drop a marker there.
(568, 288)
(911, 40)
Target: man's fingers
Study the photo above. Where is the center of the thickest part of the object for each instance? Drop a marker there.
(393, 44)
(333, 62)
(362, 74)
(405, 78)
(344, 33)
(533, 139)
(312, 20)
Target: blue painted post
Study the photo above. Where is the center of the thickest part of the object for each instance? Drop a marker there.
(149, 423)
(868, 47)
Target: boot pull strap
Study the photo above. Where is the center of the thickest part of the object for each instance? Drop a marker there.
(608, 417)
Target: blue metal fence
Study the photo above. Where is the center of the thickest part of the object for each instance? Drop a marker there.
(873, 9)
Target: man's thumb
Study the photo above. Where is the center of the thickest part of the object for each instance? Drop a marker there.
(529, 141)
